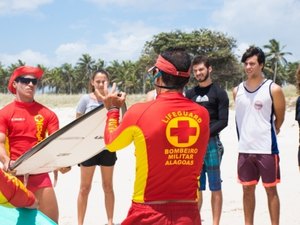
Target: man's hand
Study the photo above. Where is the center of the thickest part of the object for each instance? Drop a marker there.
(65, 169)
(7, 167)
(111, 99)
(35, 205)
(62, 170)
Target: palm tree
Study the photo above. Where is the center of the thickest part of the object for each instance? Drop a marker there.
(117, 73)
(4, 77)
(125, 75)
(291, 69)
(100, 64)
(55, 79)
(67, 76)
(275, 56)
(84, 67)
(43, 83)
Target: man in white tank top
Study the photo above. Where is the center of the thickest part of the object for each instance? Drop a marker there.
(260, 109)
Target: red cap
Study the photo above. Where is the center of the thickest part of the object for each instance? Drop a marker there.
(21, 71)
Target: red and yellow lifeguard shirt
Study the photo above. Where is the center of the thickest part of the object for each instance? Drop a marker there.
(170, 135)
(26, 124)
(13, 193)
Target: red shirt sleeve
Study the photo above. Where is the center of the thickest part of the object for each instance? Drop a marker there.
(13, 193)
(53, 124)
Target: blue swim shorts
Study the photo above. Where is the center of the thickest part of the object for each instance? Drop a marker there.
(211, 166)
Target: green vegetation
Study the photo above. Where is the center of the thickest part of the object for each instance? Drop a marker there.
(132, 77)
(63, 100)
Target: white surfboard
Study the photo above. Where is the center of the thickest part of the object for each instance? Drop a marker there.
(74, 143)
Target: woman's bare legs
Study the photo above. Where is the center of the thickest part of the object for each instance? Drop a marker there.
(86, 177)
(109, 196)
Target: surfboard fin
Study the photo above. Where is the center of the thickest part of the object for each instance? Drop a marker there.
(26, 176)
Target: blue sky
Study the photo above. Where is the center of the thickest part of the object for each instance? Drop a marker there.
(52, 32)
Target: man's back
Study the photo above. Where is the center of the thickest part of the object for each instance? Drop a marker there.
(169, 150)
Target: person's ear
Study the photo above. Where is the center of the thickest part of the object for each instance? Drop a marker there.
(92, 82)
(15, 84)
(159, 81)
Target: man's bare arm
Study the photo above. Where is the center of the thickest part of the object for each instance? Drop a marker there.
(279, 106)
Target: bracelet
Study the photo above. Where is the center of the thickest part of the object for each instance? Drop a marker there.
(113, 108)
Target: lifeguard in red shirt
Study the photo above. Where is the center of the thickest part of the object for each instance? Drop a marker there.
(170, 135)
(23, 123)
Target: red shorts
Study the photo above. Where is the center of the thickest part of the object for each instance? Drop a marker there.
(253, 166)
(37, 181)
(167, 214)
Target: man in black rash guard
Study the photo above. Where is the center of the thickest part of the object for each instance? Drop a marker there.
(215, 100)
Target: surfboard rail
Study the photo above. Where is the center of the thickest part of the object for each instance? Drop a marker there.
(74, 143)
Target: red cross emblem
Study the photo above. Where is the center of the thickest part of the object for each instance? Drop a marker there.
(183, 131)
(39, 118)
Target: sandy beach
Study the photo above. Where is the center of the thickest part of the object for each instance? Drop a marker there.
(289, 192)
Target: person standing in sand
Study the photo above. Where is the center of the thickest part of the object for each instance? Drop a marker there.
(297, 114)
(259, 114)
(215, 99)
(105, 159)
(24, 123)
(170, 135)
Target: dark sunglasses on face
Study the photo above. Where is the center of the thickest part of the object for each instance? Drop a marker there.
(25, 80)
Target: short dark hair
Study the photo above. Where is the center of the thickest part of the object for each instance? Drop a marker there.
(252, 51)
(180, 58)
(201, 59)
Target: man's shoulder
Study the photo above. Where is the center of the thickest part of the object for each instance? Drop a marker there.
(43, 108)
(217, 86)
(218, 89)
(190, 91)
(7, 108)
(191, 88)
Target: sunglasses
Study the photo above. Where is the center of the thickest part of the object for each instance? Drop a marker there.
(153, 70)
(154, 73)
(25, 80)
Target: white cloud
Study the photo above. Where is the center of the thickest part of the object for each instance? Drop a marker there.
(117, 2)
(241, 48)
(28, 56)
(256, 22)
(13, 6)
(249, 21)
(125, 43)
(70, 52)
(157, 5)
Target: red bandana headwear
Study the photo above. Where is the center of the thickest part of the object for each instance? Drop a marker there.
(21, 71)
(167, 67)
